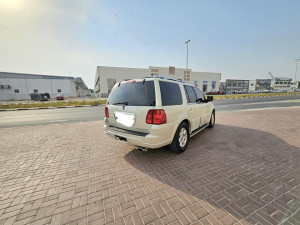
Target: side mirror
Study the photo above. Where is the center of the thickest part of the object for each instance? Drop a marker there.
(199, 100)
(209, 98)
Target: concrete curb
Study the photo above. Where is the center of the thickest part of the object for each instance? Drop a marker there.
(58, 107)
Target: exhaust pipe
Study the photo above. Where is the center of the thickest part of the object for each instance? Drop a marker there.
(142, 149)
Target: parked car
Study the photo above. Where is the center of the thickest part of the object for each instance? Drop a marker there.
(239, 92)
(157, 111)
(60, 97)
(40, 96)
(276, 91)
(216, 93)
(212, 93)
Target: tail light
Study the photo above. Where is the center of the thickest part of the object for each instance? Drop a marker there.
(106, 114)
(156, 116)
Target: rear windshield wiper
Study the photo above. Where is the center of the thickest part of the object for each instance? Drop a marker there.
(121, 103)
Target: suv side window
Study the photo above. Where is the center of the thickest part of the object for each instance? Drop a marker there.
(199, 94)
(190, 94)
(170, 93)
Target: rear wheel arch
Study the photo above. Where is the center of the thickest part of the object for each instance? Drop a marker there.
(188, 123)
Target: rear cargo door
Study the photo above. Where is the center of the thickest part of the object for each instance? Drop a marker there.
(128, 105)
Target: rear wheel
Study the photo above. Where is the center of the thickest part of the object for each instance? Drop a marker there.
(181, 139)
(212, 120)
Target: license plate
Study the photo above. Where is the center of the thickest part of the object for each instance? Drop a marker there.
(126, 119)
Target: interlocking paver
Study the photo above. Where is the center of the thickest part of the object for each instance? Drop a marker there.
(243, 171)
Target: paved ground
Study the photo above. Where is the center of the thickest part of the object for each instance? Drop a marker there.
(74, 115)
(246, 170)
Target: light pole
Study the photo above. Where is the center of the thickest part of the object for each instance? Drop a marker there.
(187, 55)
(296, 73)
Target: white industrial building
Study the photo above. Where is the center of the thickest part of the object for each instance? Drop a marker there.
(106, 77)
(282, 83)
(17, 86)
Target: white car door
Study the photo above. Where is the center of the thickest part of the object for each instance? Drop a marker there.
(203, 107)
(193, 109)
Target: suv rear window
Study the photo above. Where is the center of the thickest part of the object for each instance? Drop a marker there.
(133, 94)
(170, 93)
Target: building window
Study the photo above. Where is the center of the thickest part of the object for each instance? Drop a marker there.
(187, 75)
(58, 90)
(35, 90)
(154, 72)
(17, 91)
(171, 70)
(5, 86)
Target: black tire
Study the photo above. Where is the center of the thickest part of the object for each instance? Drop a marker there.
(212, 119)
(176, 146)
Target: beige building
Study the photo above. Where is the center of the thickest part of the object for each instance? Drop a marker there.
(106, 77)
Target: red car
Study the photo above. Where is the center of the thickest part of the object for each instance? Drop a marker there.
(60, 97)
(215, 93)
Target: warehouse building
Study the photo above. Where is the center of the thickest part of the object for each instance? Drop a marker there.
(17, 86)
(107, 77)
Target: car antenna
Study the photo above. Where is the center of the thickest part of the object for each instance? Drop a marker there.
(119, 84)
(143, 81)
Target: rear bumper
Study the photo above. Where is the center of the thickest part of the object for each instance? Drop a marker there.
(159, 137)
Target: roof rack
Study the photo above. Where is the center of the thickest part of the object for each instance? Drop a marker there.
(168, 78)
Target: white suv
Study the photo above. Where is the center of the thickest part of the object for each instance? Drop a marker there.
(157, 111)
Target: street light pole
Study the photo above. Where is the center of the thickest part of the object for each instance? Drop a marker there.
(296, 73)
(187, 55)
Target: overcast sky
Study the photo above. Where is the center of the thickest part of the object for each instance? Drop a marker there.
(241, 39)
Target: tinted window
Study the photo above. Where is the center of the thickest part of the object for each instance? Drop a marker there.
(199, 94)
(133, 94)
(190, 94)
(170, 93)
